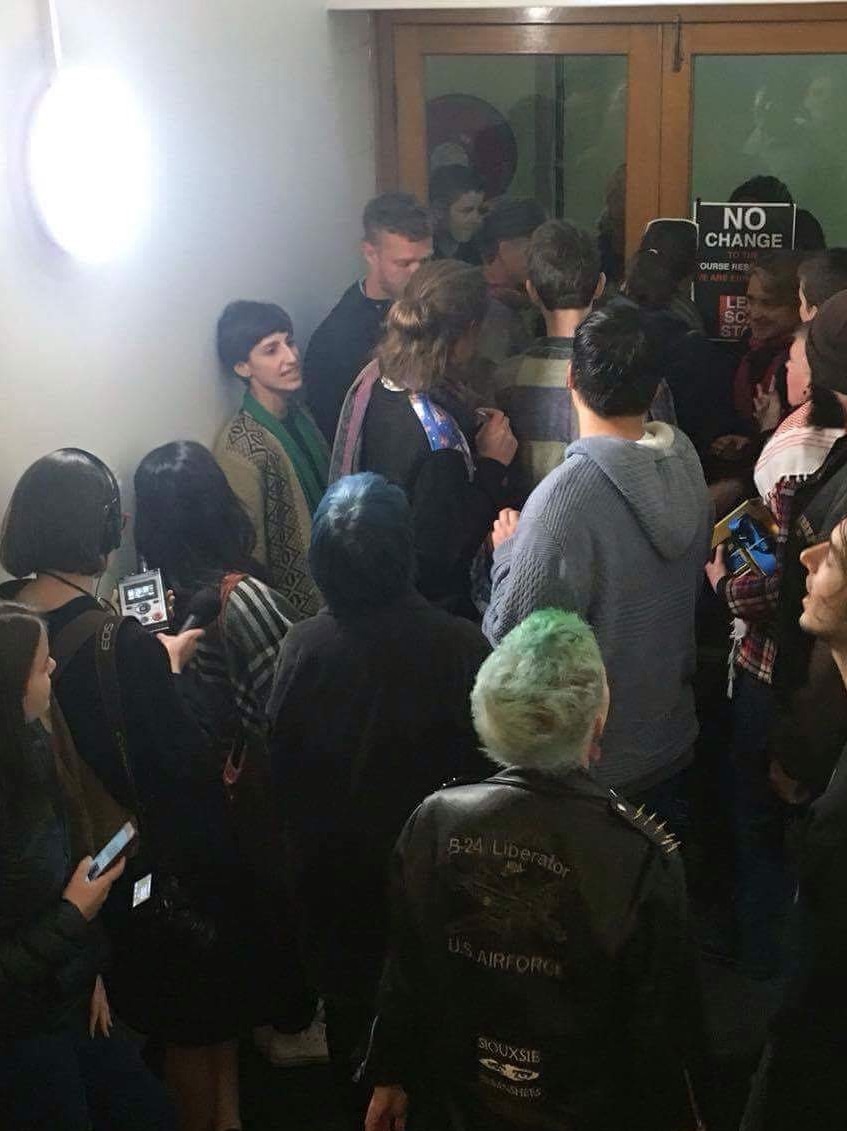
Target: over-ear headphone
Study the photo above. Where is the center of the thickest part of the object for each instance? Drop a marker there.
(110, 539)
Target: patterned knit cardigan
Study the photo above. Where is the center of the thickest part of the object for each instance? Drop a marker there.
(263, 477)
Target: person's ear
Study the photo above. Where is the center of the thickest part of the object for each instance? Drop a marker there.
(369, 252)
(243, 370)
(601, 286)
(569, 376)
(533, 295)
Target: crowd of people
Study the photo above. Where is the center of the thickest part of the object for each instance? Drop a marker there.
(416, 795)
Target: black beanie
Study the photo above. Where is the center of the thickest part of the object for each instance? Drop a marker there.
(826, 347)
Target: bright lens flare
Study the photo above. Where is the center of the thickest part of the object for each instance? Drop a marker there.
(89, 163)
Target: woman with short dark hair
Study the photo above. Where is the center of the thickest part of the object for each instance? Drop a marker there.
(63, 523)
(272, 452)
(57, 1069)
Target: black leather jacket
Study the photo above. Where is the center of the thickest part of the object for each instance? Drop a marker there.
(539, 973)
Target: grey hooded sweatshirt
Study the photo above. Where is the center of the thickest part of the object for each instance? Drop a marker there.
(619, 533)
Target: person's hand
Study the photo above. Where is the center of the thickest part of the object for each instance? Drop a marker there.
(387, 1109)
(88, 896)
(767, 408)
(788, 789)
(495, 439)
(505, 526)
(99, 1014)
(716, 569)
(730, 446)
(180, 648)
(170, 604)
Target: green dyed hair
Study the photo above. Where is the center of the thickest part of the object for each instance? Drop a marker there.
(538, 694)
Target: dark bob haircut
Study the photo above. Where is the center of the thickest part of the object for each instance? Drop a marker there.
(564, 265)
(188, 521)
(615, 362)
(399, 213)
(362, 550)
(65, 515)
(244, 324)
(509, 220)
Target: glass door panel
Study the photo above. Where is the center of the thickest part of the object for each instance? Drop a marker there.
(564, 115)
(552, 127)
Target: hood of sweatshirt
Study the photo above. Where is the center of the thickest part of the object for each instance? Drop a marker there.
(659, 477)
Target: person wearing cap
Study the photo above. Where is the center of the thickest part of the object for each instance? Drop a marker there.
(511, 322)
(817, 393)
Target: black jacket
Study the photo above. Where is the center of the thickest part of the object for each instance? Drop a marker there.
(371, 714)
(49, 954)
(339, 350)
(699, 374)
(539, 969)
(452, 512)
(805, 1083)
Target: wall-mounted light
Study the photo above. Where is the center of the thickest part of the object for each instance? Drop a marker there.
(88, 159)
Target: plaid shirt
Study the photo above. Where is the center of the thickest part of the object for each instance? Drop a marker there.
(794, 455)
(753, 597)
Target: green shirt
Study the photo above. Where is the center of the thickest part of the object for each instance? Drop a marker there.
(303, 444)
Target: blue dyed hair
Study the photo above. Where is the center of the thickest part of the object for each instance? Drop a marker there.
(362, 552)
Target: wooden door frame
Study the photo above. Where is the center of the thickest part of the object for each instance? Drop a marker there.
(661, 166)
(641, 44)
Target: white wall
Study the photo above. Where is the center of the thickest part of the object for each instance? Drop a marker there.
(261, 114)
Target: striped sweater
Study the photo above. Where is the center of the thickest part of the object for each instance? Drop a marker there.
(238, 653)
(531, 388)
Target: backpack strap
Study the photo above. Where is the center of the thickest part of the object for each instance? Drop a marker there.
(65, 646)
(106, 648)
(101, 814)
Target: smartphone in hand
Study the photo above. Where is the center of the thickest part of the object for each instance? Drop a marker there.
(107, 856)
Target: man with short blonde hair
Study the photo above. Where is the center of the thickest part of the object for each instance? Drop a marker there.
(397, 239)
